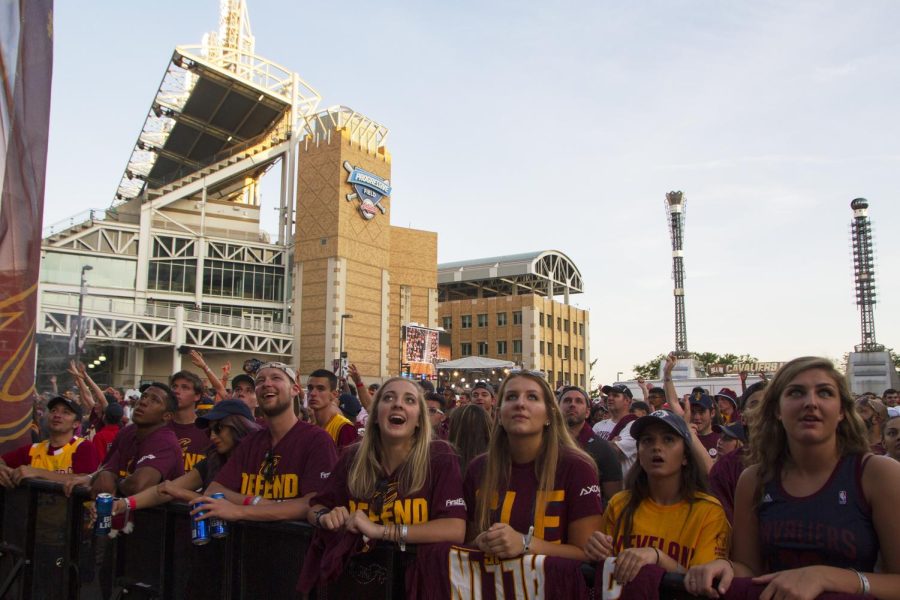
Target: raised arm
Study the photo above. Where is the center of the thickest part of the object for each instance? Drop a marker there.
(361, 389)
(214, 381)
(97, 393)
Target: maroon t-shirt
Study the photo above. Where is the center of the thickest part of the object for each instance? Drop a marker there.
(575, 495)
(440, 498)
(194, 443)
(347, 435)
(301, 463)
(84, 459)
(723, 479)
(159, 450)
(709, 442)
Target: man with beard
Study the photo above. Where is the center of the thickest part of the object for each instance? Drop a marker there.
(274, 472)
(575, 407)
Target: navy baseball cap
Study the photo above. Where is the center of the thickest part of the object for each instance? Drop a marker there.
(675, 422)
(349, 405)
(734, 431)
(223, 409)
(484, 385)
(70, 404)
(619, 388)
(243, 377)
(704, 401)
(114, 411)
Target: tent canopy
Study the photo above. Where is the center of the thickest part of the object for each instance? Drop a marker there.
(476, 363)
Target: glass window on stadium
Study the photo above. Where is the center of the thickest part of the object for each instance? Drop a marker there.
(501, 319)
(59, 267)
(241, 280)
(465, 349)
(541, 319)
(501, 347)
(448, 323)
(173, 265)
(465, 321)
(517, 317)
(482, 320)
(542, 348)
(517, 346)
(482, 348)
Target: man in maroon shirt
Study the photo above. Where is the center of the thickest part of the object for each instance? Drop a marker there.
(574, 405)
(274, 472)
(701, 418)
(147, 451)
(194, 441)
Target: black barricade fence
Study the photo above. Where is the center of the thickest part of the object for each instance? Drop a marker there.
(48, 551)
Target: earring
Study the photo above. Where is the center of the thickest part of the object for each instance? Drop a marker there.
(547, 424)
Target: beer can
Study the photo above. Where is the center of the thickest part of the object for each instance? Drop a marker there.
(218, 527)
(199, 529)
(104, 507)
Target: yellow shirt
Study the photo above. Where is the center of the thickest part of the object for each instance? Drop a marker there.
(58, 462)
(691, 534)
(333, 427)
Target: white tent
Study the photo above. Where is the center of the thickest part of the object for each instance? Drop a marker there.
(476, 363)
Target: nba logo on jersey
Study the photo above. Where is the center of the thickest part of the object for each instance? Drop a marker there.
(842, 497)
(767, 498)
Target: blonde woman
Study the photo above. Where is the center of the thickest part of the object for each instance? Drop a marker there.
(535, 491)
(397, 484)
(816, 508)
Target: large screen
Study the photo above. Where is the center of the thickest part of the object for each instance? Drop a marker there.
(422, 348)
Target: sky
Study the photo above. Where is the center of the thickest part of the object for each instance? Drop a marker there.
(522, 126)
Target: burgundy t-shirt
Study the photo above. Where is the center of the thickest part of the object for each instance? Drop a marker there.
(194, 443)
(347, 435)
(303, 460)
(709, 442)
(723, 479)
(576, 495)
(84, 459)
(440, 498)
(159, 450)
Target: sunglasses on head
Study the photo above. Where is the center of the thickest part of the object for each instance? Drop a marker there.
(268, 469)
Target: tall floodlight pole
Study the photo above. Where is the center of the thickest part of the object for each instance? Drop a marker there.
(864, 271)
(79, 331)
(675, 205)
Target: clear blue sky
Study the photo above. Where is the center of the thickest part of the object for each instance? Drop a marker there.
(518, 126)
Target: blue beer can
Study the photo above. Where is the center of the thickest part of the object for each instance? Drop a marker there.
(199, 529)
(104, 507)
(218, 526)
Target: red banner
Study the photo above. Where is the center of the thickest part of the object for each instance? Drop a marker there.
(26, 64)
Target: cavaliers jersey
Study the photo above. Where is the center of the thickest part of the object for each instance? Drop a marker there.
(58, 461)
(451, 572)
(831, 527)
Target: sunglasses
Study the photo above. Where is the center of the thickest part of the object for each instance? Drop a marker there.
(435, 411)
(268, 467)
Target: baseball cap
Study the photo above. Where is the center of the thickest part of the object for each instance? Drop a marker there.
(70, 404)
(223, 409)
(657, 391)
(675, 422)
(735, 431)
(286, 369)
(704, 401)
(243, 377)
(484, 385)
(114, 411)
(349, 405)
(728, 394)
(620, 388)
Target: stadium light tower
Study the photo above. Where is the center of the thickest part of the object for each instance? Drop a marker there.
(864, 272)
(869, 368)
(675, 205)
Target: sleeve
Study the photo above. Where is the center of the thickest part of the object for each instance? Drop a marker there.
(471, 484)
(85, 458)
(163, 454)
(346, 436)
(335, 491)
(229, 476)
(607, 461)
(446, 485)
(18, 457)
(626, 443)
(319, 462)
(582, 490)
(714, 538)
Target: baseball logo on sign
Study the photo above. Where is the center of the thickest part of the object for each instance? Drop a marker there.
(370, 190)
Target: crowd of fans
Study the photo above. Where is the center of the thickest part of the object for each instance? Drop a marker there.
(789, 485)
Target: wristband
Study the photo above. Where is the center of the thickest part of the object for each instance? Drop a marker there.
(657, 555)
(360, 384)
(255, 500)
(131, 503)
(863, 583)
(247, 500)
(526, 540)
(404, 530)
(319, 513)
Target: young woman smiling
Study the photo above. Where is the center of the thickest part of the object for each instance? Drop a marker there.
(396, 484)
(815, 509)
(664, 517)
(535, 491)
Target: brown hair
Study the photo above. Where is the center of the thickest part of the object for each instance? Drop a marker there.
(470, 433)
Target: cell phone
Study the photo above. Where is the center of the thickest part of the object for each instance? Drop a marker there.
(183, 349)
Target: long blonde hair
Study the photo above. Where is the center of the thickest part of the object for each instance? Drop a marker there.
(768, 440)
(498, 466)
(367, 469)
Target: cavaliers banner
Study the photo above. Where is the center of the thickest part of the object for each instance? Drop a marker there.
(26, 62)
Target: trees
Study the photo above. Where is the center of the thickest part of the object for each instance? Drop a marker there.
(650, 369)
